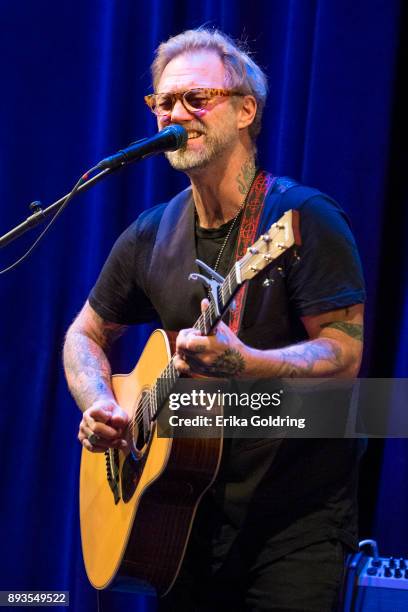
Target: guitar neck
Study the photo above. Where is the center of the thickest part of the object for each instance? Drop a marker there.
(205, 323)
(209, 319)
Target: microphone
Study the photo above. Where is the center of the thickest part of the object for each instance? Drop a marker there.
(173, 137)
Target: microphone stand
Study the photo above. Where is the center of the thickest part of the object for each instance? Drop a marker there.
(170, 138)
(39, 214)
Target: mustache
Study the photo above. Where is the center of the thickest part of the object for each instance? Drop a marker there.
(193, 126)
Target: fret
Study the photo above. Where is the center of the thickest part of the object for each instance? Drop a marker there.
(160, 391)
(202, 323)
(228, 288)
(173, 373)
(207, 321)
(211, 318)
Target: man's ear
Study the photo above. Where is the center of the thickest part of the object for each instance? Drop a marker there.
(247, 111)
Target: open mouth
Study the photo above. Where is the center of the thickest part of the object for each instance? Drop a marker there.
(193, 135)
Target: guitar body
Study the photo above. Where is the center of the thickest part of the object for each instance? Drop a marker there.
(136, 515)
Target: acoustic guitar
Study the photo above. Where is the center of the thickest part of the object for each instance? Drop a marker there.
(137, 507)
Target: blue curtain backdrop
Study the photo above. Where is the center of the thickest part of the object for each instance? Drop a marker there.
(73, 75)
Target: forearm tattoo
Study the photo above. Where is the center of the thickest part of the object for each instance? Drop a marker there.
(86, 365)
(230, 363)
(353, 330)
(309, 358)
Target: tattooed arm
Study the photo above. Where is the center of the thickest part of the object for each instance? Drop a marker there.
(88, 374)
(334, 349)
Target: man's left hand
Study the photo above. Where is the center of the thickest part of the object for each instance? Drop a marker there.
(221, 354)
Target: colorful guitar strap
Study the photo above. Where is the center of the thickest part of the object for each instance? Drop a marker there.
(261, 187)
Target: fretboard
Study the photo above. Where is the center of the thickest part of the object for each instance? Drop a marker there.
(206, 322)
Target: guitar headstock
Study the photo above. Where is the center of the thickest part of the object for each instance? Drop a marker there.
(281, 236)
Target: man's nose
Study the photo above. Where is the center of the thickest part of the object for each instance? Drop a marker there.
(180, 113)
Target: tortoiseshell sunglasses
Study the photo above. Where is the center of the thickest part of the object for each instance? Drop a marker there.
(193, 100)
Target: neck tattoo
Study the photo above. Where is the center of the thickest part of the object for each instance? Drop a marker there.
(234, 220)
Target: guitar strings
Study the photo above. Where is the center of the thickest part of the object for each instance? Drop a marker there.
(203, 323)
(169, 372)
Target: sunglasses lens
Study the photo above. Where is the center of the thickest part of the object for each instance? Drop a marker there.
(195, 99)
(162, 104)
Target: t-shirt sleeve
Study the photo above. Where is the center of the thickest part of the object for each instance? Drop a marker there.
(119, 292)
(328, 274)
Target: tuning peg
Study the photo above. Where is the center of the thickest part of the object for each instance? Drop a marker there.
(253, 250)
(266, 238)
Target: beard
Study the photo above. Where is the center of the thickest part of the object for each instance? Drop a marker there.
(216, 142)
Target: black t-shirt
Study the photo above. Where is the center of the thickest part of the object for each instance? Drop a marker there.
(301, 490)
(210, 244)
(156, 254)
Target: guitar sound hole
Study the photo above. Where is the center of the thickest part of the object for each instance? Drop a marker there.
(141, 436)
(142, 433)
(131, 472)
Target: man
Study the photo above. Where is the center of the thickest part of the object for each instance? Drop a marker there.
(272, 533)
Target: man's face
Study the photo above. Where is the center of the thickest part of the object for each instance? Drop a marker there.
(213, 132)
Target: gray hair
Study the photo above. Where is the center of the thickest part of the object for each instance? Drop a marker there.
(241, 72)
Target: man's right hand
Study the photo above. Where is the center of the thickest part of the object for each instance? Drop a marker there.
(103, 426)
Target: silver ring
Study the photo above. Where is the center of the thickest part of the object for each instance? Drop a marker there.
(93, 438)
